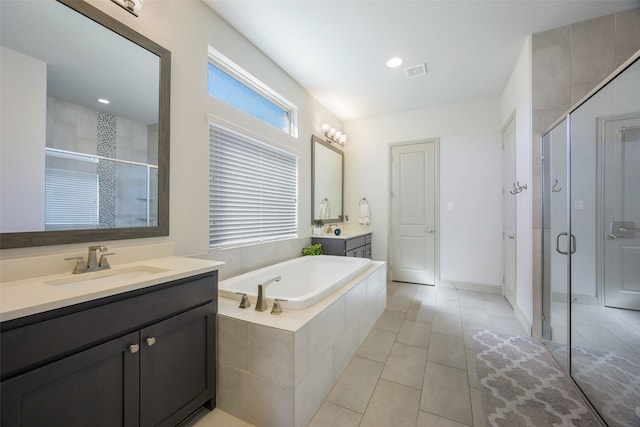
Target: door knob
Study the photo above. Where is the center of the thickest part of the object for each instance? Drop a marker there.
(512, 236)
(430, 231)
(612, 236)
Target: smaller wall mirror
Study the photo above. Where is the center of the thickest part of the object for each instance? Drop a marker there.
(327, 180)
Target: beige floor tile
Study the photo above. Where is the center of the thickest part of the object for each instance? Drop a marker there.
(377, 345)
(219, 418)
(479, 416)
(421, 311)
(405, 365)
(447, 350)
(426, 419)
(331, 415)
(446, 393)
(392, 404)
(478, 317)
(398, 303)
(506, 325)
(448, 324)
(354, 388)
(390, 321)
(414, 333)
(471, 369)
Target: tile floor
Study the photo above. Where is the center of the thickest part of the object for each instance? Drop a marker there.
(415, 368)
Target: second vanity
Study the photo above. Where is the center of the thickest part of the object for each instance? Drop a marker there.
(131, 347)
(348, 243)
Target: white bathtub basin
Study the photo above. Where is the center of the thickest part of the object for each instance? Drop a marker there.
(305, 280)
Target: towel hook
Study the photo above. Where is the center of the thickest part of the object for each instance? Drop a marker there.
(517, 188)
(554, 189)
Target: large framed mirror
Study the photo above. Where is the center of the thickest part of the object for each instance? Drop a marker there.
(327, 181)
(84, 147)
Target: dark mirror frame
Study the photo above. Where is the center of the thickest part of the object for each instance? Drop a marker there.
(317, 140)
(45, 238)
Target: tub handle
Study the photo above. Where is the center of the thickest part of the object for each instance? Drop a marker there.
(277, 307)
(244, 302)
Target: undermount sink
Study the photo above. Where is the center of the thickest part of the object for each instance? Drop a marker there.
(105, 277)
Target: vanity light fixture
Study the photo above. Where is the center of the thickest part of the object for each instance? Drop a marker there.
(132, 6)
(333, 135)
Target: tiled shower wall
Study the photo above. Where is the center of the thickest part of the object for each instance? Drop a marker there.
(123, 189)
(568, 62)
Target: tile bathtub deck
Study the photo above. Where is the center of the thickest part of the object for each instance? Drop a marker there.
(415, 368)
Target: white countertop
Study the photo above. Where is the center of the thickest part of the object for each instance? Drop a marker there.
(21, 298)
(344, 234)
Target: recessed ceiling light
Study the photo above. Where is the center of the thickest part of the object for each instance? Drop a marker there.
(103, 101)
(394, 62)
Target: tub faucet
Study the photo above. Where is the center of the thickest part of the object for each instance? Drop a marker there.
(261, 304)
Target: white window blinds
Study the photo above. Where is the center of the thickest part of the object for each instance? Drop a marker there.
(71, 199)
(253, 189)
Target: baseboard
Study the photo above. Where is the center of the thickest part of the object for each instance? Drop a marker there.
(524, 322)
(576, 298)
(467, 286)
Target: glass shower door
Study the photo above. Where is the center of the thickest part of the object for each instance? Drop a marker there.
(555, 241)
(605, 268)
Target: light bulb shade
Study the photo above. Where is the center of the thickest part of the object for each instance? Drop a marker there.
(332, 132)
(325, 127)
(343, 138)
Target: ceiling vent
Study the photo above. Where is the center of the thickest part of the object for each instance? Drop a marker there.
(416, 71)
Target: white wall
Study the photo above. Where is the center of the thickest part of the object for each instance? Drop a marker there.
(517, 97)
(470, 177)
(23, 119)
(186, 28)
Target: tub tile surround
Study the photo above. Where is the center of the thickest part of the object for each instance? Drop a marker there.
(277, 370)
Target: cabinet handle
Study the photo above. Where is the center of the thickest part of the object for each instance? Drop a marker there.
(151, 341)
(134, 348)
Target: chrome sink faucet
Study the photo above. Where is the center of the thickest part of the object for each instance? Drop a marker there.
(92, 258)
(93, 264)
(261, 304)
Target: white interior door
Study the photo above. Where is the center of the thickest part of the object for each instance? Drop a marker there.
(509, 211)
(413, 213)
(621, 196)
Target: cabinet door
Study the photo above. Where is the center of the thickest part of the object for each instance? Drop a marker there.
(96, 387)
(177, 367)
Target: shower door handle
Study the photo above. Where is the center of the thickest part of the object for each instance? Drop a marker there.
(558, 243)
(573, 245)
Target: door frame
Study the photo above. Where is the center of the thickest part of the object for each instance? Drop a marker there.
(514, 156)
(436, 203)
(601, 227)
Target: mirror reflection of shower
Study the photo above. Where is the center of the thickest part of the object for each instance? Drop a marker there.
(591, 246)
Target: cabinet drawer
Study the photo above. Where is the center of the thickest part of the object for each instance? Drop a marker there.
(356, 242)
(33, 345)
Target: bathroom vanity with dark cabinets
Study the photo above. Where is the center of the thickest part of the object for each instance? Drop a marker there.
(355, 246)
(141, 358)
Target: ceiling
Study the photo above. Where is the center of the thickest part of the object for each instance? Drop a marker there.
(337, 49)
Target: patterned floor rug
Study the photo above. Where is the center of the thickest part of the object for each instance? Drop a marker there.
(523, 386)
(610, 380)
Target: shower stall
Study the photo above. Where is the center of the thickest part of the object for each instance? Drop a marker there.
(591, 245)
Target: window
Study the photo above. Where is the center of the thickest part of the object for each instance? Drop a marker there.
(71, 199)
(233, 85)
(253, 189)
